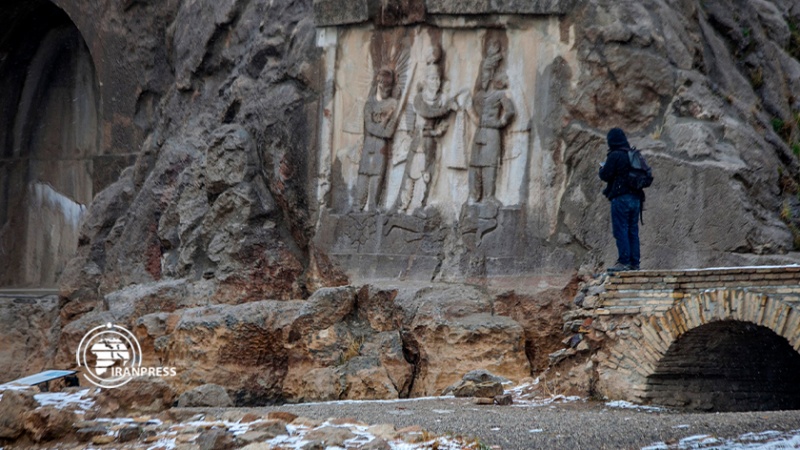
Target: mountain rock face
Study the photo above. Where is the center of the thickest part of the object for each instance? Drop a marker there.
(346, 199)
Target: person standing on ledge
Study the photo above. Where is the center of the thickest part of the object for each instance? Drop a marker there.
(626, 201)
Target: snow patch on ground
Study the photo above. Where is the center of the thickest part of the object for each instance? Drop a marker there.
(395, 400)
(530, 395)
(767, 440)
(628, 405)
(547, 401)
(295, 439)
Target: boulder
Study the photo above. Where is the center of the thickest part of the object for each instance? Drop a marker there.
(13, 407)
(484, 389)
(385, 431)
(48, 423)
(141, 395)
(211, 395)
(329, 436)
(85, 434)
(270, 427)
(284, 416)
(103, 439)
(483, 376)
(215, 439)
(377, 444)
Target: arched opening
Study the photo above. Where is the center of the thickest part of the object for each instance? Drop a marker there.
(728, 366)
(49, 132)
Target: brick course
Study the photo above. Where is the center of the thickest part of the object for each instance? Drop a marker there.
(657, 291)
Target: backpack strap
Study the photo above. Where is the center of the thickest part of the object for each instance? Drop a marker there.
(641, 208)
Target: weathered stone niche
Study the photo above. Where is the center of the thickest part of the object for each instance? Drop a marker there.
(439, 158)
(49, 132)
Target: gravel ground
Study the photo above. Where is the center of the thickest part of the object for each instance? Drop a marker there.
(571, 425)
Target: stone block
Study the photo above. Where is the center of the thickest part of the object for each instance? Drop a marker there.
(534, 7)
(337, 12)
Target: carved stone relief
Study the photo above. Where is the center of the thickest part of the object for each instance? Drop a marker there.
(492, 110)
(431, 139)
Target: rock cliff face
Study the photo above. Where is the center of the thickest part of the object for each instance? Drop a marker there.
(277, 151)
(227, 183)
(709, 96)
(217, 191)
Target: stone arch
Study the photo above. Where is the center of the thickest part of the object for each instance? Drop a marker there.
(49, 140)
(638, 360)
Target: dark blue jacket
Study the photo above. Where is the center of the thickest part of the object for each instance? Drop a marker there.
(615, 173)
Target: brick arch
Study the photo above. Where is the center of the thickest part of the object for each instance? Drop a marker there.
(637, 356)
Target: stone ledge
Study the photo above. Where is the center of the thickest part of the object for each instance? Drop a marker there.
(710, 271)
(401, 12)
(469, 7)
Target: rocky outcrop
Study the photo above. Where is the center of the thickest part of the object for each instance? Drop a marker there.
(212, 395)
(29, 328)
(342, 343)
(13, 407)
(48, 423)
(453, 331)
(141, 395)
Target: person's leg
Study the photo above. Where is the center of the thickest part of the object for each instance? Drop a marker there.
(633, 231)
(374, 193)
(406, 193)
(475, 184)
(489, 180)
(619, 223)
(362, 190)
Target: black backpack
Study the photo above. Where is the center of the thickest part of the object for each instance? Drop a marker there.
(640, 175)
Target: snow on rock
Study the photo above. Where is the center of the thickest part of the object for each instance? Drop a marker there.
(62, 400)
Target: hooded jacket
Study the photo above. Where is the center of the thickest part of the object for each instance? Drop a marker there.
(617, 166)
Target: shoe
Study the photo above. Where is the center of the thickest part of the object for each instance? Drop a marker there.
(633, 267)
(619, 267)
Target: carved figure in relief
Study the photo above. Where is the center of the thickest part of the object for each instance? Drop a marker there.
(492, 110)
(380, 122)
(432, 109)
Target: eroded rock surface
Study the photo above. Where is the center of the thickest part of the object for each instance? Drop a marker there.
(342, 343)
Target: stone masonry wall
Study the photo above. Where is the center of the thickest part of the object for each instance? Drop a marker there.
(654, 292)
(656, 334)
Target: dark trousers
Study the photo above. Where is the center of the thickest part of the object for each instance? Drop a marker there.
(625, 211)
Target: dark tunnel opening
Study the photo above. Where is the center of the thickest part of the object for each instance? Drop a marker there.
(49, 132)
(728, 366)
